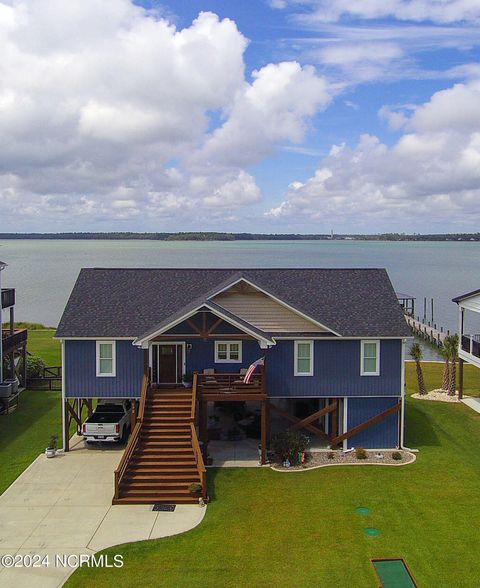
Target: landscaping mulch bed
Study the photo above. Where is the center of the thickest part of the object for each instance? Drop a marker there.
(437, 395)
(320, 459)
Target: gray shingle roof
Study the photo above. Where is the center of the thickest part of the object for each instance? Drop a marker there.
(131, 302)
(464, 296)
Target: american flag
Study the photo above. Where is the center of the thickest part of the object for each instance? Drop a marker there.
(252, 368)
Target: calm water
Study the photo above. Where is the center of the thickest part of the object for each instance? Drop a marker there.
(44, 271)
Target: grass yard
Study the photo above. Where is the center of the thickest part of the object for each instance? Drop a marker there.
(26, 432)
(265, 528)
(41, 342)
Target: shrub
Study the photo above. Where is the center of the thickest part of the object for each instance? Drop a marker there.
(288, 445)
(35, 366)
(330, 455)
(360, 453)
(53, 444)
(195, 488)
(397, 456)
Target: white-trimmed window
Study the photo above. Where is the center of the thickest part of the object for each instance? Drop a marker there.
(303, 359)
(106, 363)
(228, 351)
(370, 358)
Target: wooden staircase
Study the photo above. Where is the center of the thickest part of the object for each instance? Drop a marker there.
(162, 459)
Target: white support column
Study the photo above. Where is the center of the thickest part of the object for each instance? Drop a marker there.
(402, 395)
(64, 432)
(326, 418)
(345, 422)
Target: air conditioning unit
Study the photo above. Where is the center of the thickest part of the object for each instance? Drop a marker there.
(6, 388)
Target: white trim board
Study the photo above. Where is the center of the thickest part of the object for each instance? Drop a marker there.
(141, 342)
(94, 338)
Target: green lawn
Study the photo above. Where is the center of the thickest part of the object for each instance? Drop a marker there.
(40, 342)
(265, 528)
(26, 432)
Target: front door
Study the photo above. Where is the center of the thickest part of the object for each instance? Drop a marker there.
(167, 363)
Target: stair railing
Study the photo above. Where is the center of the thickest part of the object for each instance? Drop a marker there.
(202, 472)
(134, 439)
(194, 397)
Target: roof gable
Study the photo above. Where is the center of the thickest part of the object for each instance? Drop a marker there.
(263, 310)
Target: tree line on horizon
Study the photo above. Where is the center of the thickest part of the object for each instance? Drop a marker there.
(219, 236)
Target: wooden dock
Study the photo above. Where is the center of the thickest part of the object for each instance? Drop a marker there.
(426, 331)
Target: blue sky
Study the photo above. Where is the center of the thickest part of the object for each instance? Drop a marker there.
(266, 115)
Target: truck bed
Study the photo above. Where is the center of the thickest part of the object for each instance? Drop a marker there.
(105, 417)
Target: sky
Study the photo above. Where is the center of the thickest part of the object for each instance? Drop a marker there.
(275, 116)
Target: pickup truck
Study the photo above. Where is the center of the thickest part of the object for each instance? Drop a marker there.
(109, 422)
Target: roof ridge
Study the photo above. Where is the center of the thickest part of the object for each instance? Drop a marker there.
(235, 269)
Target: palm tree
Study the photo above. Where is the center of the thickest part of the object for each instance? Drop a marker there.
(417, 355)
(447, 354)
(452, 387)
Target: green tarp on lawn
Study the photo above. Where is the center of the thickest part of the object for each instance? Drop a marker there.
(393, 573)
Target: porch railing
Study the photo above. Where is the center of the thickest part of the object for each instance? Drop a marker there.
(230, 383)
(134, 438)
(11, 341)
(8, 297)
(471, 344)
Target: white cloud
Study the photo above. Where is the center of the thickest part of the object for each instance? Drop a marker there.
(106, 112)
(271, 109)
(439, 11)
(430, 175)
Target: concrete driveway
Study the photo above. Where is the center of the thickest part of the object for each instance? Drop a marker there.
(62, 506)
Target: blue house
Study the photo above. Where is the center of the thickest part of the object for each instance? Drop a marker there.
(331, 345)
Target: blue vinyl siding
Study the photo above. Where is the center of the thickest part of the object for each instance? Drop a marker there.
(336, 370)
(383, 434)
(80, 371)
(202, 355)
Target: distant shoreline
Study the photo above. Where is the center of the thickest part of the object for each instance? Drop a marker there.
(217, 236)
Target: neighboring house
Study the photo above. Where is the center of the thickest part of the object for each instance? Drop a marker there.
(468, 343)
(13, 348)
(333, 342)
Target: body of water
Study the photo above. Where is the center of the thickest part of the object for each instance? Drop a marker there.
(44, 271)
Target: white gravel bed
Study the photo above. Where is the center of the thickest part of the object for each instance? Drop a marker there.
(437, 395)
(320, 459)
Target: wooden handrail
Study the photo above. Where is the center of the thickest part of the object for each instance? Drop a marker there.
(143, 398)
(134, 437)
(202, 471)
(127, 454)
(194, 397)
